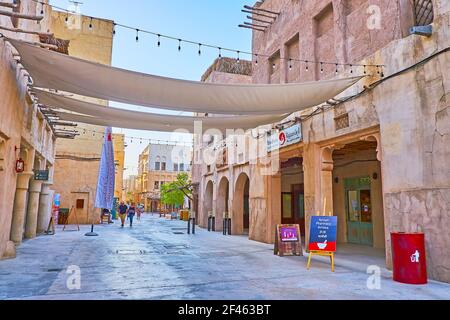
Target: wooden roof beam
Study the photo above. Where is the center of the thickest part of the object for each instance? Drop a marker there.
(253, 28)
(25, 31)
(20, 15)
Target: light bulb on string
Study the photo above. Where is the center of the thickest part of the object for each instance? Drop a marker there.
(351, 68)
(238, 58)
(90, 24)
(256, 59)
(321, 67)
(137, 35)
(337, 71)
(365, 71)
(199, 49)
(220, 53)
(307, 66)
(179, 44)
(290, 64)
(114, 29)
(42, 8)
(67, 18)
(159, 40)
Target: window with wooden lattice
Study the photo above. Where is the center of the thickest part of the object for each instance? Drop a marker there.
(423, 12)
(342, 122)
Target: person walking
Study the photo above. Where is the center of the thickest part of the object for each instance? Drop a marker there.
(123, 208)
(140, 210)
(131, 213)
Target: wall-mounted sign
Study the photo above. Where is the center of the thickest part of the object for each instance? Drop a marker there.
(288, 240)
(41, 175)
(281, 139)
(323, 234)
(20, 166)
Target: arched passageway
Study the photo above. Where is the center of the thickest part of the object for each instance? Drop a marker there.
(222, 202)
(207, 202)
(241, 206)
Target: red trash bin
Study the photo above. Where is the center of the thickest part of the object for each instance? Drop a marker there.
(408, 258)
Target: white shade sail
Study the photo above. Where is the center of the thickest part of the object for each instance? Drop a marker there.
(57, 71)
(91, 113)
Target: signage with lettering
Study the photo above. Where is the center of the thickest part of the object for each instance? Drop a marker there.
(323, 234)
(41, 175)
(281, 139)
(288, 240)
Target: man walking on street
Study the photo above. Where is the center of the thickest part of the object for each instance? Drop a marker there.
(123, 208)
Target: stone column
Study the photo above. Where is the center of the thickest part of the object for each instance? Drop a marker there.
(45, 208)
(326, 182)
(33, 208)
(312, 170)
(20, 206)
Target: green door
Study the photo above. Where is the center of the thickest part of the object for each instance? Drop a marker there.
(359, 211)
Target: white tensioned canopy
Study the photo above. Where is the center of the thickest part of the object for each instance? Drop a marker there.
(61, 72)
(95, 114)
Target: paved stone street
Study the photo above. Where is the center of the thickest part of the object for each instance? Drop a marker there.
(158, 260)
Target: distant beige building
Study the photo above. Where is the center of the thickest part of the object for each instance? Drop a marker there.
(158, 165)
(119, 159)
(78, 160)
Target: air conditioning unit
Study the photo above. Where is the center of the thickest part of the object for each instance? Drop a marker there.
(425, 31)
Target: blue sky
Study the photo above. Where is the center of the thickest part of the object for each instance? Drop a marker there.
(206, 21)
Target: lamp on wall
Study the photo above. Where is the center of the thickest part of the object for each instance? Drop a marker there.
(20, 164)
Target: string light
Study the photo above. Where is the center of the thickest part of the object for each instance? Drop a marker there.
(365, 71)
(337, 71)
(137, 35)
(42, 8)
(290, 64)
(199, 49)
(213, 46)
(140, 139)
(351, 68)
(321, 67)
(114, 29)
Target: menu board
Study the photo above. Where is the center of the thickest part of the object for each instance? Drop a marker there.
(323, 234)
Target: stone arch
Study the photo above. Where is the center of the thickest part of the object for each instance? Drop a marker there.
(222, 202)
(207, 201)
(241, 205)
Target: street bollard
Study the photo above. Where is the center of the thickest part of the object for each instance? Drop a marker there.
(213, 224)
(189, 226)
(229, 226)
(191, 221)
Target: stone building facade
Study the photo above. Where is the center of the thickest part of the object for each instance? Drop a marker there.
(78, 160)
(26, 134)
(376, 156)
(119, 146)
(159, 164)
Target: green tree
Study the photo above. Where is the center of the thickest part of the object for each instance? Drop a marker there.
(173, 193)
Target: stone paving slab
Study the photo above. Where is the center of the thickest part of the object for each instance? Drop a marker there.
(151, 262)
